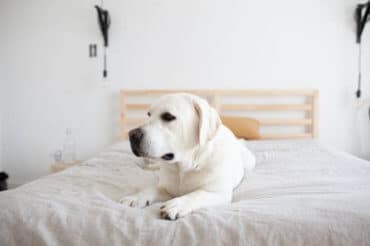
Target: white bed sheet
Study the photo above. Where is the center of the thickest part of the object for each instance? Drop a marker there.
(300, 194)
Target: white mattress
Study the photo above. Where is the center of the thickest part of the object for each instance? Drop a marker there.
(300, 193)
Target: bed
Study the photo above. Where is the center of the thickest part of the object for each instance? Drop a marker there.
(301, 193)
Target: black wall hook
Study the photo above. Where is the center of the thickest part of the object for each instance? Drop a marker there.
(362, 14)
(104, 23)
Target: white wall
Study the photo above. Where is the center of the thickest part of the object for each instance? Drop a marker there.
(1, 143)
(2, 82)
(51, 84)
(362, 117)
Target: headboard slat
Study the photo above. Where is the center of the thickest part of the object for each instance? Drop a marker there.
(267, 107)
(285, 122)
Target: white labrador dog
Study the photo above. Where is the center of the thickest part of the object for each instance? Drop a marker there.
(201, 161)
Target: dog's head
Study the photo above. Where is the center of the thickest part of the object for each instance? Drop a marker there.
(176, 124)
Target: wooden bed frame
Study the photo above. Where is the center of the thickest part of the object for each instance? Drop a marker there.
(309, 108)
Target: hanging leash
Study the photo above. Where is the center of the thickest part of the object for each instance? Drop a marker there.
(361, 20)
(359, 63)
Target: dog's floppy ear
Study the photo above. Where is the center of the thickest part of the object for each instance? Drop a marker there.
(209, 120)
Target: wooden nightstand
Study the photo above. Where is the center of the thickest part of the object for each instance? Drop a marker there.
(60, 166)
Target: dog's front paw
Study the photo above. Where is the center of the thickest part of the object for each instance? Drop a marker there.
(135, 201)
(174, 209)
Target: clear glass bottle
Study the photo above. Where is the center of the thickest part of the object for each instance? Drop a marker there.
(69, 148)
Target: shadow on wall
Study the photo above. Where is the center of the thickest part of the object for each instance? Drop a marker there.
(363, 128)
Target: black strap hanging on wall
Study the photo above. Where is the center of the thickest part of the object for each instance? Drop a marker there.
(362, 15)
(104, 24)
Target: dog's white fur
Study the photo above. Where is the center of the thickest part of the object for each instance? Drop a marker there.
(209, 160)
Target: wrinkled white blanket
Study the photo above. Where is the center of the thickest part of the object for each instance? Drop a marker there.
(300, 193)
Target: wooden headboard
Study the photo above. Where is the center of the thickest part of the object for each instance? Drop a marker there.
(283, 114)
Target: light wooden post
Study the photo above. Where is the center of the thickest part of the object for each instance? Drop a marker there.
(315, 115)
(123, 116)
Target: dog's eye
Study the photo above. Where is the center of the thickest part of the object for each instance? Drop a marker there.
(168, 117)
(149, 114)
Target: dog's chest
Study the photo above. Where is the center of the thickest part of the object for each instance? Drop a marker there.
(178, 183)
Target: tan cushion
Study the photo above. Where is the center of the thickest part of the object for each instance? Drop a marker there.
(242, 127)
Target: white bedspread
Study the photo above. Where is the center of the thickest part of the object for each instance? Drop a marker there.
(300, 194)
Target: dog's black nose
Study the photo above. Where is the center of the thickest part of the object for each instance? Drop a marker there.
(136, 135)
(168, 157)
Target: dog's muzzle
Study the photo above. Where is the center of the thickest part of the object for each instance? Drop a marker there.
(136, 137)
